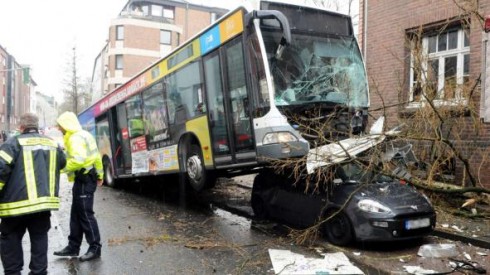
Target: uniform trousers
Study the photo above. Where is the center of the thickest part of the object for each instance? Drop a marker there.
(12, 231)
(82, 219)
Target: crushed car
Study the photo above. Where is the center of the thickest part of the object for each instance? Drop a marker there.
(347, 193)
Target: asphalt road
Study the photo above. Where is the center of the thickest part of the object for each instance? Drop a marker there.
(142, 233)
(149, 230)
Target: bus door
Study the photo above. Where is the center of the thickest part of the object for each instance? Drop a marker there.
(228, 99)
(116, 142)
(123, 133)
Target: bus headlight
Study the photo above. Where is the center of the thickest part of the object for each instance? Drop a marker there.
(278, 137)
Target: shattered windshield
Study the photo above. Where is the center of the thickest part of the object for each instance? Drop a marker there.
(317, 69)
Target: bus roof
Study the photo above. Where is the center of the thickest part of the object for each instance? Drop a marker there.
(138, 81)
(197, 45)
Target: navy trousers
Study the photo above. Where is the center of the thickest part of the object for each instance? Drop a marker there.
(12, 231)
(82, 219)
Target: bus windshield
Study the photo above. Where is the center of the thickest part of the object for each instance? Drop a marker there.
(317, 69)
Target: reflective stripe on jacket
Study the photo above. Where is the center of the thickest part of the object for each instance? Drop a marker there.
(81, 148)
(29, 174)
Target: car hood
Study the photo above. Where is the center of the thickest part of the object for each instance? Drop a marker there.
(402, 199)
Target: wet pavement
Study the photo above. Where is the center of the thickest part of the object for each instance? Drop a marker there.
(144, 234)
(152, 232)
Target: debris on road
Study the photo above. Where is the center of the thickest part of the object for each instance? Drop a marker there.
(419, 270)
(438, 250)
(287, 262)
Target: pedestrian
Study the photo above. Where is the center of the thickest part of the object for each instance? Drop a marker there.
(4, 136)
(84, 167)
(30, 165)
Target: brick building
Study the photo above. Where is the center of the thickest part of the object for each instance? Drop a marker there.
(413, 47)
(16, 87)
(143, 32)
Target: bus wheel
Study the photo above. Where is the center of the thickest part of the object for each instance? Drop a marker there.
(196, 172)
(108, 176)
(338, 229)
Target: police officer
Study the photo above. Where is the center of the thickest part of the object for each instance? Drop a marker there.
(84, 166)
(30, 165)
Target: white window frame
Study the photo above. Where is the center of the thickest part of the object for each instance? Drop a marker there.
(460, 51)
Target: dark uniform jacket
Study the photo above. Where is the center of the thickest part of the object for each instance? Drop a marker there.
(29, 174)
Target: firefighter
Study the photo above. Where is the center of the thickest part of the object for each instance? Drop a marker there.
(30, 165)
(84, 167)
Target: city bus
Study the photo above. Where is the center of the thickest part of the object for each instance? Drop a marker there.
(246, 90)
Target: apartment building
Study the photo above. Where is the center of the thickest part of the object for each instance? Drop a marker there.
(16, 87)
(143, 32)
(413, 47)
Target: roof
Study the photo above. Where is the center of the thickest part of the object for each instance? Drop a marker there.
(175, 3)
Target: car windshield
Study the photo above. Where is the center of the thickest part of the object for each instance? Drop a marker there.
(317, 69)
(355, 172)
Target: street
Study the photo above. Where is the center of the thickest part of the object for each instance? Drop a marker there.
(144, 235)
(147, 230)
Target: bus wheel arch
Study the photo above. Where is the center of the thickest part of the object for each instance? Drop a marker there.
(109, 179)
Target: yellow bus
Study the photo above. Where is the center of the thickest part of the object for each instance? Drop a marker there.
(238, 94)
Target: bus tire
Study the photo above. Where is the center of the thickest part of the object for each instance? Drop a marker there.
(195, 170)
(108, 176)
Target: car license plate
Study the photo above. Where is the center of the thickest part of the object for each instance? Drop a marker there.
(414, 224)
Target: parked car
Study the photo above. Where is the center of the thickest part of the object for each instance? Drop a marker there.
(352, 207)
(355, 199)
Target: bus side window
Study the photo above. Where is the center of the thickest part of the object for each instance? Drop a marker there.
(180, 114)
(136, 125)
(184, 93)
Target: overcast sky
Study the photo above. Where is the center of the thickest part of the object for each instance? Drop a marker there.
(42, 34)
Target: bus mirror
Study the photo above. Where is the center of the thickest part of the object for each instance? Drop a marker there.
(283, 21)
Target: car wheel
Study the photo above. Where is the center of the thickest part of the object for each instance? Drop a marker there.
(108, 176)
(258, 203)
(338, 229)
(195, 170)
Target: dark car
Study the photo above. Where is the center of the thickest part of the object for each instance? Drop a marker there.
(355, 203)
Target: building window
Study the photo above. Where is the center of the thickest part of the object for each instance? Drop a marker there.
(165, 37)
(439, 68)
(156, 10)
(119, 32)
(119, 62)
(213, 17)
(145, 9)
(168, 12)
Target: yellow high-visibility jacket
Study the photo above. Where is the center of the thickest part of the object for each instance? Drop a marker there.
(81, 148)
(30, 166)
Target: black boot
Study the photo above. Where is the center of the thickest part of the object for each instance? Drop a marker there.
(90, 255)
(67, 251)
